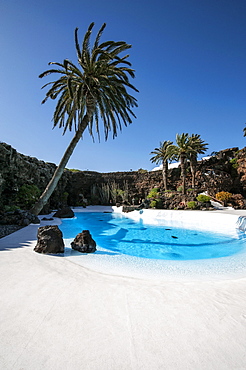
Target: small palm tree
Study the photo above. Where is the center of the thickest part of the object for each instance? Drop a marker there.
(161, 156)
(197, 146)
(93, 90)
(181, 152)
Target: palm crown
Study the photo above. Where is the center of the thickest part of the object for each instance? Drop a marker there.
(96, 88)
(161, 154)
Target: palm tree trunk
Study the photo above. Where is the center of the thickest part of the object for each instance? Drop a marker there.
(165, 173)
(193, 173)
(183, 173)
(59, 170)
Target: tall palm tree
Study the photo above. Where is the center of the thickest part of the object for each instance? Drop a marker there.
(93, 90)
(181, 152)
(197, 146)
(161, 156)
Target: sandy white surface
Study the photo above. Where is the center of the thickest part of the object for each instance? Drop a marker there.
(57, 315)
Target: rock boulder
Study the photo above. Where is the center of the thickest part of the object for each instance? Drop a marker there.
(49, 240)
(65, 212)
(84, 243)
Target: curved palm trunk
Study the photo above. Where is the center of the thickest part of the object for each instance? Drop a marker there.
(183, 171)
(36, 209)
(165, 173)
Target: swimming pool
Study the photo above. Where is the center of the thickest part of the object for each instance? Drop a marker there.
(168, 239)
(113, 262)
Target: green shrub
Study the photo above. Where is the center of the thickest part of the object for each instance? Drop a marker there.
(180, 188)
(234, 163)
(73, 170)
(27, 195)
(192, 204)
(156, 203)
(7, 208)
(141, 170)
(153, 194)
(153, 204)
(203, 198)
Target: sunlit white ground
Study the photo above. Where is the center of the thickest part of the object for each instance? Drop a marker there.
(56, 314)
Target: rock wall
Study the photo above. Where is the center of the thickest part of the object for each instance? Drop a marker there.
(17, 169)
(224, 172)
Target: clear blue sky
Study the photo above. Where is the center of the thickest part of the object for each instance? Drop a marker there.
(190, 63)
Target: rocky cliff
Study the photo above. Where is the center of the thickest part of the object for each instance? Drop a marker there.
(226, 171)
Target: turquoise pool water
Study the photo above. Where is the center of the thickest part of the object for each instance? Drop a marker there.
(121, 235)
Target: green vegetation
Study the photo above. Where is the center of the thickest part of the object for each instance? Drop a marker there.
(153, 194)
(27, 195)
(109, 193)
(156, 203)
(203, 198)
(97, 87)
(8, 208)
(161, 156)
(192, 204)
(72, 170)
(188, 147)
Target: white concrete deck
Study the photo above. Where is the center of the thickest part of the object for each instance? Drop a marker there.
(58, 315)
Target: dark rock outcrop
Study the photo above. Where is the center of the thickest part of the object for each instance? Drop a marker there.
(50, 240)
(84, 243)
(65, 212)
(18, 217)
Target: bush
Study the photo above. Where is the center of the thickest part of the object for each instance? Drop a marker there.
(153, 204)
(11, 208)
(180, 188)
(156, 203)
(154, 193)
(191, 205)
(203, 198)
(223, 196)
(27, 195)
(234, 163)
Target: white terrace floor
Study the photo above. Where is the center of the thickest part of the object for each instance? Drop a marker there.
(57, 315)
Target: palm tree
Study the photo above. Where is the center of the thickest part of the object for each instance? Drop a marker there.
(197, 146)
(181, 152)
(95, 89)
(161, 156)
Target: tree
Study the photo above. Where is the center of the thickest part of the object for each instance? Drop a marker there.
(161, 156)
(244, 131)
(197, 146)
(181, 152)
(94, 90)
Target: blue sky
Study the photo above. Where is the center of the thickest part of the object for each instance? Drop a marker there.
(190, 63)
